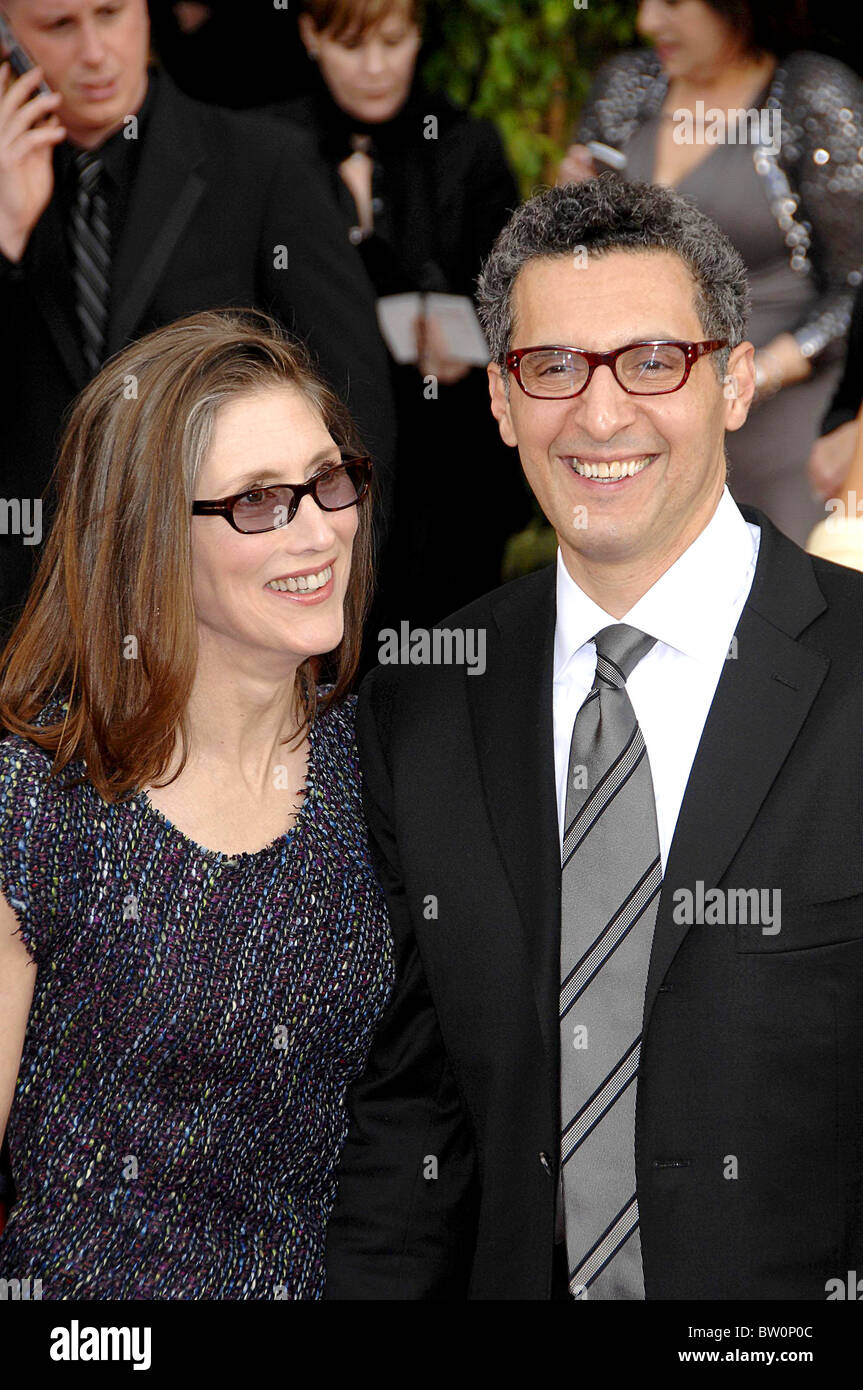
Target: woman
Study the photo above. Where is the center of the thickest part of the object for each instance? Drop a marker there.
(839, 537)
(424, 191)
(182, 851)
(791, 200)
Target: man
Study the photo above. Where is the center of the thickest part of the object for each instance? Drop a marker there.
(189, 207)
(626, 889)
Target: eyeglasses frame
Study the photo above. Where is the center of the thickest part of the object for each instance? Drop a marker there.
(692, 352)
(224, 506)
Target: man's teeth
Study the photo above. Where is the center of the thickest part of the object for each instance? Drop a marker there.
(303, 583)
(614, 469)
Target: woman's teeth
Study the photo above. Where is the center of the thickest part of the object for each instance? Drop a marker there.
(614, 469)
(303, 583)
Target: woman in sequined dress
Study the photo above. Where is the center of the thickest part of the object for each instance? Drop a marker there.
(790, 197)
(194, 947)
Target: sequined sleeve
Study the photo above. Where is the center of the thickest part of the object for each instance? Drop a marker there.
(814, 185)
(822, 139)
(627, 90)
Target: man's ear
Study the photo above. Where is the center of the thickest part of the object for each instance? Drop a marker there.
(738, 386)
(500, 404)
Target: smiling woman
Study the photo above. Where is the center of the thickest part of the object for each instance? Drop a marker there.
(218, 399)
(211, 940)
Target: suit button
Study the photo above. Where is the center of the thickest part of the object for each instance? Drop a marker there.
(546, 1163)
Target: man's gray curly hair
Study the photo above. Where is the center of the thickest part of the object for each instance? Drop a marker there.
(607, 214)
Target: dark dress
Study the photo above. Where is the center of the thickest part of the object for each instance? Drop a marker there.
(438, 205)
(179, 1111)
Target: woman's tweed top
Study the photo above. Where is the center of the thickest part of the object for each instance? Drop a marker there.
(179, 1111)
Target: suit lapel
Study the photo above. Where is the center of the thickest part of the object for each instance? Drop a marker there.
(761, 702)
(166, 191)
(511, 710)
(51, 286)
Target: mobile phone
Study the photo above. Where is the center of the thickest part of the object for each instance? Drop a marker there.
(17, 56)
(607, 155)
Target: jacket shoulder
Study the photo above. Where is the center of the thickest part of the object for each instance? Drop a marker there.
(256, 133)
(528, 597)
(812, 76)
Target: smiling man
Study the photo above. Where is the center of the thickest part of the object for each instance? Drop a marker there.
(624, 1058)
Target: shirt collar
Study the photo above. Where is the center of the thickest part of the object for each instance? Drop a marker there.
(684, 605)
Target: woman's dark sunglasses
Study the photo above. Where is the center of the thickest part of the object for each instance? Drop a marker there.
(268, 508)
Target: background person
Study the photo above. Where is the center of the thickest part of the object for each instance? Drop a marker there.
(795, 217)
(202, 208)
(194, 948)
(423, 213)
(833, 452)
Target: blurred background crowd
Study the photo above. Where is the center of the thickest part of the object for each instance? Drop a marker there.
(378, 146)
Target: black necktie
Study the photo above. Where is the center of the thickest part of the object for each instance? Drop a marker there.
(91, 257)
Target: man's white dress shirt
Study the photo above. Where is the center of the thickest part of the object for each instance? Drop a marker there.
(692, 611)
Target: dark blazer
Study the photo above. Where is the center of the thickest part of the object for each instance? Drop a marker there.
(752, 1044)
(214, 194)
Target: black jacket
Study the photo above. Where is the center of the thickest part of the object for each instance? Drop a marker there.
(215, 194)
(442, 178)
(752, 1043)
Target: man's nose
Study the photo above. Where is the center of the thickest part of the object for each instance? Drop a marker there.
(604, 407)
(92, 45)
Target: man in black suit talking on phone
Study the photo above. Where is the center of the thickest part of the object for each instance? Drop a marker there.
(624, 1055)
(124, 205)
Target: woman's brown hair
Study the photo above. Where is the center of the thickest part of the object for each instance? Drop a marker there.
(356, 17)
(109, 622)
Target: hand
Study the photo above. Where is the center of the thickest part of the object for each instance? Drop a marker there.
(432, 352)
(576, 166)
(26, 167)
(831, 458)
(778, 364)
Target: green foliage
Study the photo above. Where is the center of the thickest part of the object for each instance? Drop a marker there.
(529, 549)
(527, 66)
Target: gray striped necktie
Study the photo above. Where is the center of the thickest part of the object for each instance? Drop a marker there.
(91, 258)
(610, 881)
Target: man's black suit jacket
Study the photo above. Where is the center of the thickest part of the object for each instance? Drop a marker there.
(215, 194)
(749, 1124)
